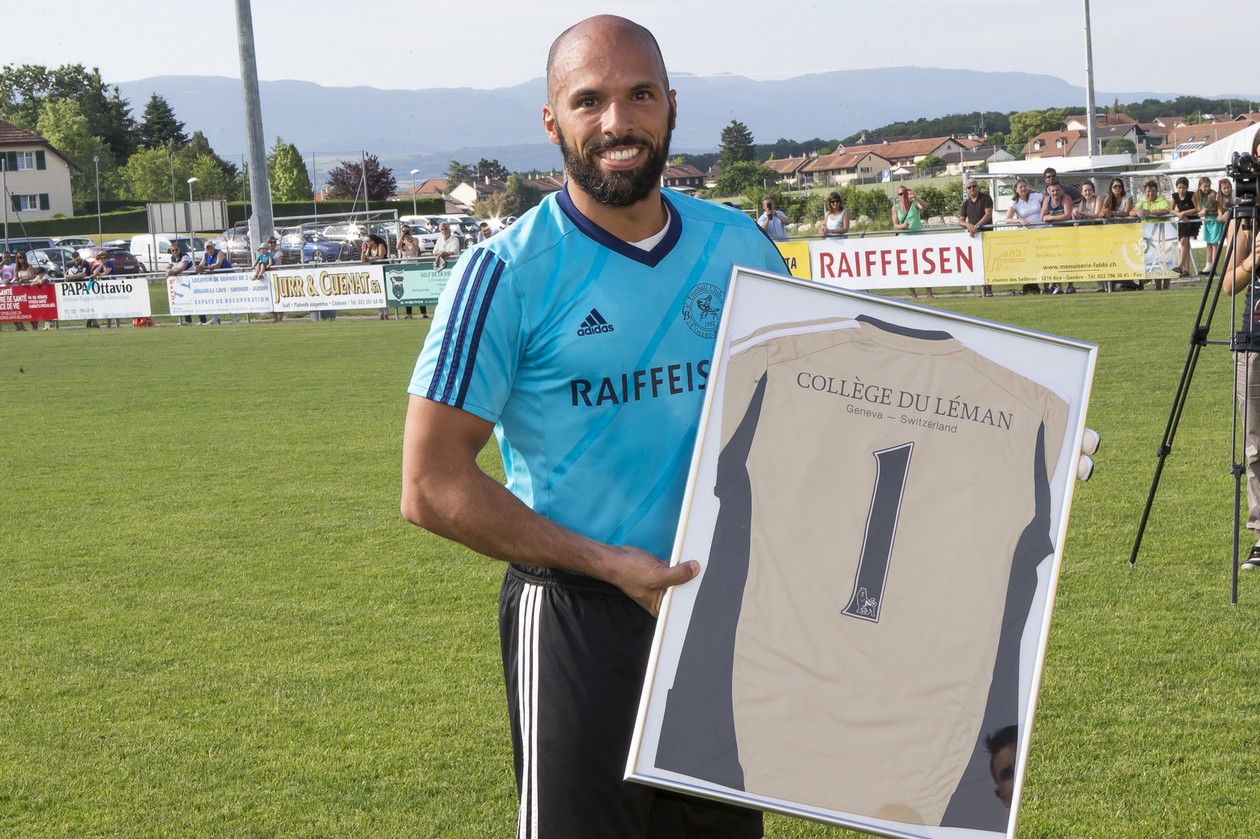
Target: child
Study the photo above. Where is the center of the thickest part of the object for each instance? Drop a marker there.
(262, 261)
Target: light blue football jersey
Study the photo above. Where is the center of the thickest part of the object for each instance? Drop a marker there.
(591, 357)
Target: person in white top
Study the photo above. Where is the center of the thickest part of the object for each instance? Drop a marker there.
(445, 248)
(835, 218)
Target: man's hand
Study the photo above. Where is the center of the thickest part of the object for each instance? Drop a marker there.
(644, 578)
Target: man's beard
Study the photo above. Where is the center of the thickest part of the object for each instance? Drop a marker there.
(616, 188)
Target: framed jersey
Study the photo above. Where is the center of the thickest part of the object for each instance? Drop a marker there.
(878, 499)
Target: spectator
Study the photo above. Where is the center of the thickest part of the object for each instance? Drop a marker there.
(1226, 200)
(103, 266)
(23, 274)
(1209, 205)
(1056, 206)
(409, 248)
(277, 259)
(77, 270)
(1186, 209)
(1153, 209)
(1090, 206)
(1050, 176)
(375, 249)
(1025, 210)
(835, 221)
(483, 231)
(446, 247)
(7, 271)
(181, 262)
(262, 260)
(772, 220)
(1025, 206)
(907, 210)
(975, 215)
(214, 260)
(1117, 204)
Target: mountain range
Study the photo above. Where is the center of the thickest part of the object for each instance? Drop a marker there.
(426, 129)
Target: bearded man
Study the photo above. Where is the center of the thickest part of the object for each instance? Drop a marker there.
(582, 337)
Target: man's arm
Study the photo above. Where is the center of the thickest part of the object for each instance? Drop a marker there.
(445, 491)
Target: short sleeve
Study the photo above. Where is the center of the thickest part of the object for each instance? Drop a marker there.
(471, 355)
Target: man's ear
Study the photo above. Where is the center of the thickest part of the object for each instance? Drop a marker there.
(549, 124)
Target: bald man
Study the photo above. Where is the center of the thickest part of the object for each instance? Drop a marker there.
(582, 337)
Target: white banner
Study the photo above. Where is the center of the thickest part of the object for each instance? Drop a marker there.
(217, 294)
(104, 297)
(305, 289)
(939, 259)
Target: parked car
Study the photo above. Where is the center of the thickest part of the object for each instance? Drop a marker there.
(73, 242)
(152, 250)
(311, 246)
(114, 243)
(235, 243)
(125, 261)
(53, 259)
(345, 232)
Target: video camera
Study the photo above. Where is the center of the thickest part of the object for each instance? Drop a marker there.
(1244, 170)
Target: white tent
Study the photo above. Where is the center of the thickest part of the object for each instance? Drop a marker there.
(1214, 157)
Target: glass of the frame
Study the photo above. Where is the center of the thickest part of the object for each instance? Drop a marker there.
(878, 499)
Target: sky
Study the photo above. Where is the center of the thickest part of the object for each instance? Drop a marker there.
(1161, 45)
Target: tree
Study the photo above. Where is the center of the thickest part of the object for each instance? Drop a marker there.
(1119, 145)
(213, 182)
(158, 126)
(744, 175)
(737, 145)
(199, 145)
(928, 165)
(287, 171)
(1028, 124)
(458, 173)
(491, 169)
(346, 180)
(146, 176)
(62, 123)
(25, 88)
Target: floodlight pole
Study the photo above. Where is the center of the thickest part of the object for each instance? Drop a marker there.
(96, 162)
(188, 215)
(261, 223)
(1090, 118)
(413, 191)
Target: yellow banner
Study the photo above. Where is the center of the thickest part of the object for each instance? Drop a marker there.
(1102, 253)
(796, 255)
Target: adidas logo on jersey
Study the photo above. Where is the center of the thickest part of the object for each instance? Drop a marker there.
(594, 324)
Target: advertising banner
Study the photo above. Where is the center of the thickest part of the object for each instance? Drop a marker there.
(218, 294)
(1102, 253)
(796, 257)
(104, 297)
(414, 285)
(938, 259)
(306, 289)
(20, 303)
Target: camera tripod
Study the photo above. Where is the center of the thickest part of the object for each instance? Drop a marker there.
(1244, 344)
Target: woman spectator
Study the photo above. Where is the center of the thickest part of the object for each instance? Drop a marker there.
(1117, 204)
(1091, 204)
(409, 248)
(1208, 205)
(23, 274)
(835, 220)
(907, 217)
(1225, 198)
(1025, 206)
(375, 249)
(1186, 209)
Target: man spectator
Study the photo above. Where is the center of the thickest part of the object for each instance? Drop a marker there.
(181, 262)
(8, 271)
(1051, 176)
(214, 260)
(77, 268)
(1002, 745)
(610, 274)
(483, 231)
(102, 266)
(772, 220)
(445, 248)
(976, 214)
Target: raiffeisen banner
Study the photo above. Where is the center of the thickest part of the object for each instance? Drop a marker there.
(885, 262)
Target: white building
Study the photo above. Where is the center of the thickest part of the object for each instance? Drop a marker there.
(36, 175)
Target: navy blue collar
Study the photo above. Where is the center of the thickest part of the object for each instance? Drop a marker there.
(649, 258)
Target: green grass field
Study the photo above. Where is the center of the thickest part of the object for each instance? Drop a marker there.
(215, 623)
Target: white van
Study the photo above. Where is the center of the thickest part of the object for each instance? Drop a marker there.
(152, 250)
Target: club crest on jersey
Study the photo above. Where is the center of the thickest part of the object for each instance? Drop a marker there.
(702, 309)
(594, 324)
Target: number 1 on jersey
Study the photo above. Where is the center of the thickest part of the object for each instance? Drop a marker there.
(891, 467)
